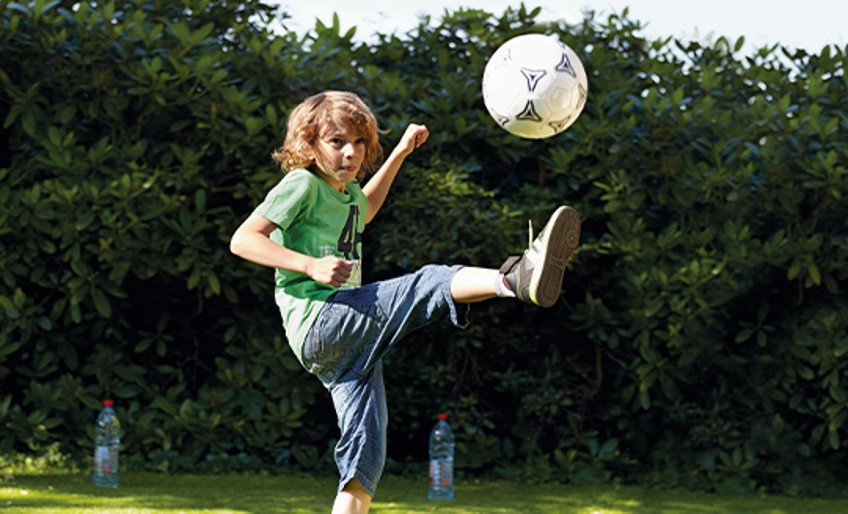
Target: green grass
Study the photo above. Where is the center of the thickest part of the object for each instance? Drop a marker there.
(151, 493)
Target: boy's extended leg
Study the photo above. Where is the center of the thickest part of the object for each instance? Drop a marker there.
(471, 285)
(534, 277)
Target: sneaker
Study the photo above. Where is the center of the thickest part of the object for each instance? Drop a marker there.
(536, 276)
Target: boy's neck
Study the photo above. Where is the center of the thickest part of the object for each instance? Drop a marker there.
(335, 184)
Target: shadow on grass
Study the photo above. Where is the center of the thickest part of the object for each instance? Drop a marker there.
(152, 493)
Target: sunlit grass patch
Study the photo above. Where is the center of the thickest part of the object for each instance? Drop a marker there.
(145, 493)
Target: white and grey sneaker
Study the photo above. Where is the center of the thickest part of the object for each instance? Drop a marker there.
(536, 276)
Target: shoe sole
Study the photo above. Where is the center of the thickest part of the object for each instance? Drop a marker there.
(559, 241)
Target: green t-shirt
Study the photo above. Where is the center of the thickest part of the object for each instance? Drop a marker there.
(309, 214)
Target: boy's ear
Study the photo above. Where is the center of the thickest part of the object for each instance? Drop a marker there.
(312, 157)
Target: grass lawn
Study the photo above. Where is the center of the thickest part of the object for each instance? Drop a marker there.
(152, 493)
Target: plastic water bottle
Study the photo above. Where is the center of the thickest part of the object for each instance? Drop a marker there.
(107, 439)
(441, 460)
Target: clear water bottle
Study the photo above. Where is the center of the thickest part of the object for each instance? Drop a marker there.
(441, 460)
(107, 439)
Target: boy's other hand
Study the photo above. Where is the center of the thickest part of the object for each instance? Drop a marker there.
(330, 270)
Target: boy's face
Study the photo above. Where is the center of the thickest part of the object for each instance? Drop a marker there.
(340, 150)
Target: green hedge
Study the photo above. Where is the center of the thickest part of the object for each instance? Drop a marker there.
(699, 339)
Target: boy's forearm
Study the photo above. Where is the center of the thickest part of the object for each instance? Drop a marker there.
(377, 189)
(259, 249)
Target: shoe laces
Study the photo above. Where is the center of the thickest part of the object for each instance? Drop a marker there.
(529, 233)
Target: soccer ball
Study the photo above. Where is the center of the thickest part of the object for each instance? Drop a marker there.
(534, 86)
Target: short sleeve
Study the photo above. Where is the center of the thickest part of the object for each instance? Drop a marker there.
(287, 201)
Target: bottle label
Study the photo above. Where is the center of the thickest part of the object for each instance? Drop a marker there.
(101, 459)
(441, 473)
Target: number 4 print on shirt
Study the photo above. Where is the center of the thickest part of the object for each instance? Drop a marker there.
(350, 238)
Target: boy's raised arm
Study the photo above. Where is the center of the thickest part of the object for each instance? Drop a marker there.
(378, 186)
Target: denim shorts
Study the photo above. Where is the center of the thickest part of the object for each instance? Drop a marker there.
(344, 349)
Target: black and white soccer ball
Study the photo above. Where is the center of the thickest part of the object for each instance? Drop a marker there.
(534, 86)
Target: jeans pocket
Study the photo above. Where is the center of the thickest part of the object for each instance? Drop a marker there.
(348, 331)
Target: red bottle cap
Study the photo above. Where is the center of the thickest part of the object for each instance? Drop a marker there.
(107, 403)
(442, 416)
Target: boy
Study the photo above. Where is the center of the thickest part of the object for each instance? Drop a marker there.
(338, 329)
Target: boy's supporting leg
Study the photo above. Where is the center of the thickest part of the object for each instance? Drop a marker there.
(471, 285)
(353, 499)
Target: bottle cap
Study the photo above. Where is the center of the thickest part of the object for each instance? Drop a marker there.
(107, 403)
(442, 416)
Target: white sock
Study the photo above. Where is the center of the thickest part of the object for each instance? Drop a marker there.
(502, 288)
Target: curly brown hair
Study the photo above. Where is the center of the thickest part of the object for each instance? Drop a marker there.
(307, 120)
